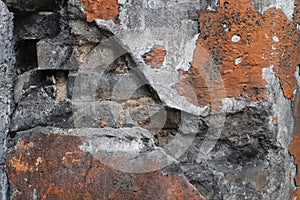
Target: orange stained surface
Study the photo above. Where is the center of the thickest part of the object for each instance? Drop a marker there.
(155, 58)
(241, 42)
(103, 9)
(56, 168)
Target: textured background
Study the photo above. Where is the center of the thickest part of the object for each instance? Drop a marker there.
(149, 99)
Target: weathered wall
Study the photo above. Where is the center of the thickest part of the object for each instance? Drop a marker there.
(7, 61)
(107, 99)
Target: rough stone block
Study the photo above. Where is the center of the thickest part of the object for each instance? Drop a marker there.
(83, 160)
(38, 94)
(95, 114)
(36, 26)
(29, 114)
(55, 54)
(52, 54)
(86, 32)
(32, 5)
(24, 82)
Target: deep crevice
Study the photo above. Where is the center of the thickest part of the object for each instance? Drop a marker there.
(26, 55)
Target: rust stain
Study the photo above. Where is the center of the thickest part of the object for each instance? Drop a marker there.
(241, 42)
(155, 58)
(65, 172)
(103, 9)
(19, 165)
(294, 147)
(295, 195)
(25, 146)
(297, 21)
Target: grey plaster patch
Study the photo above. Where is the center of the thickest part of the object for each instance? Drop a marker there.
(286, 6)
(282, 109)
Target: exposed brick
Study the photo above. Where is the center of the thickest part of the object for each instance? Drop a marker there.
(103, 9)
(56, 168)
(155, 58)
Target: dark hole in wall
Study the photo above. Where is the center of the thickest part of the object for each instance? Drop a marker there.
(26, 55)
